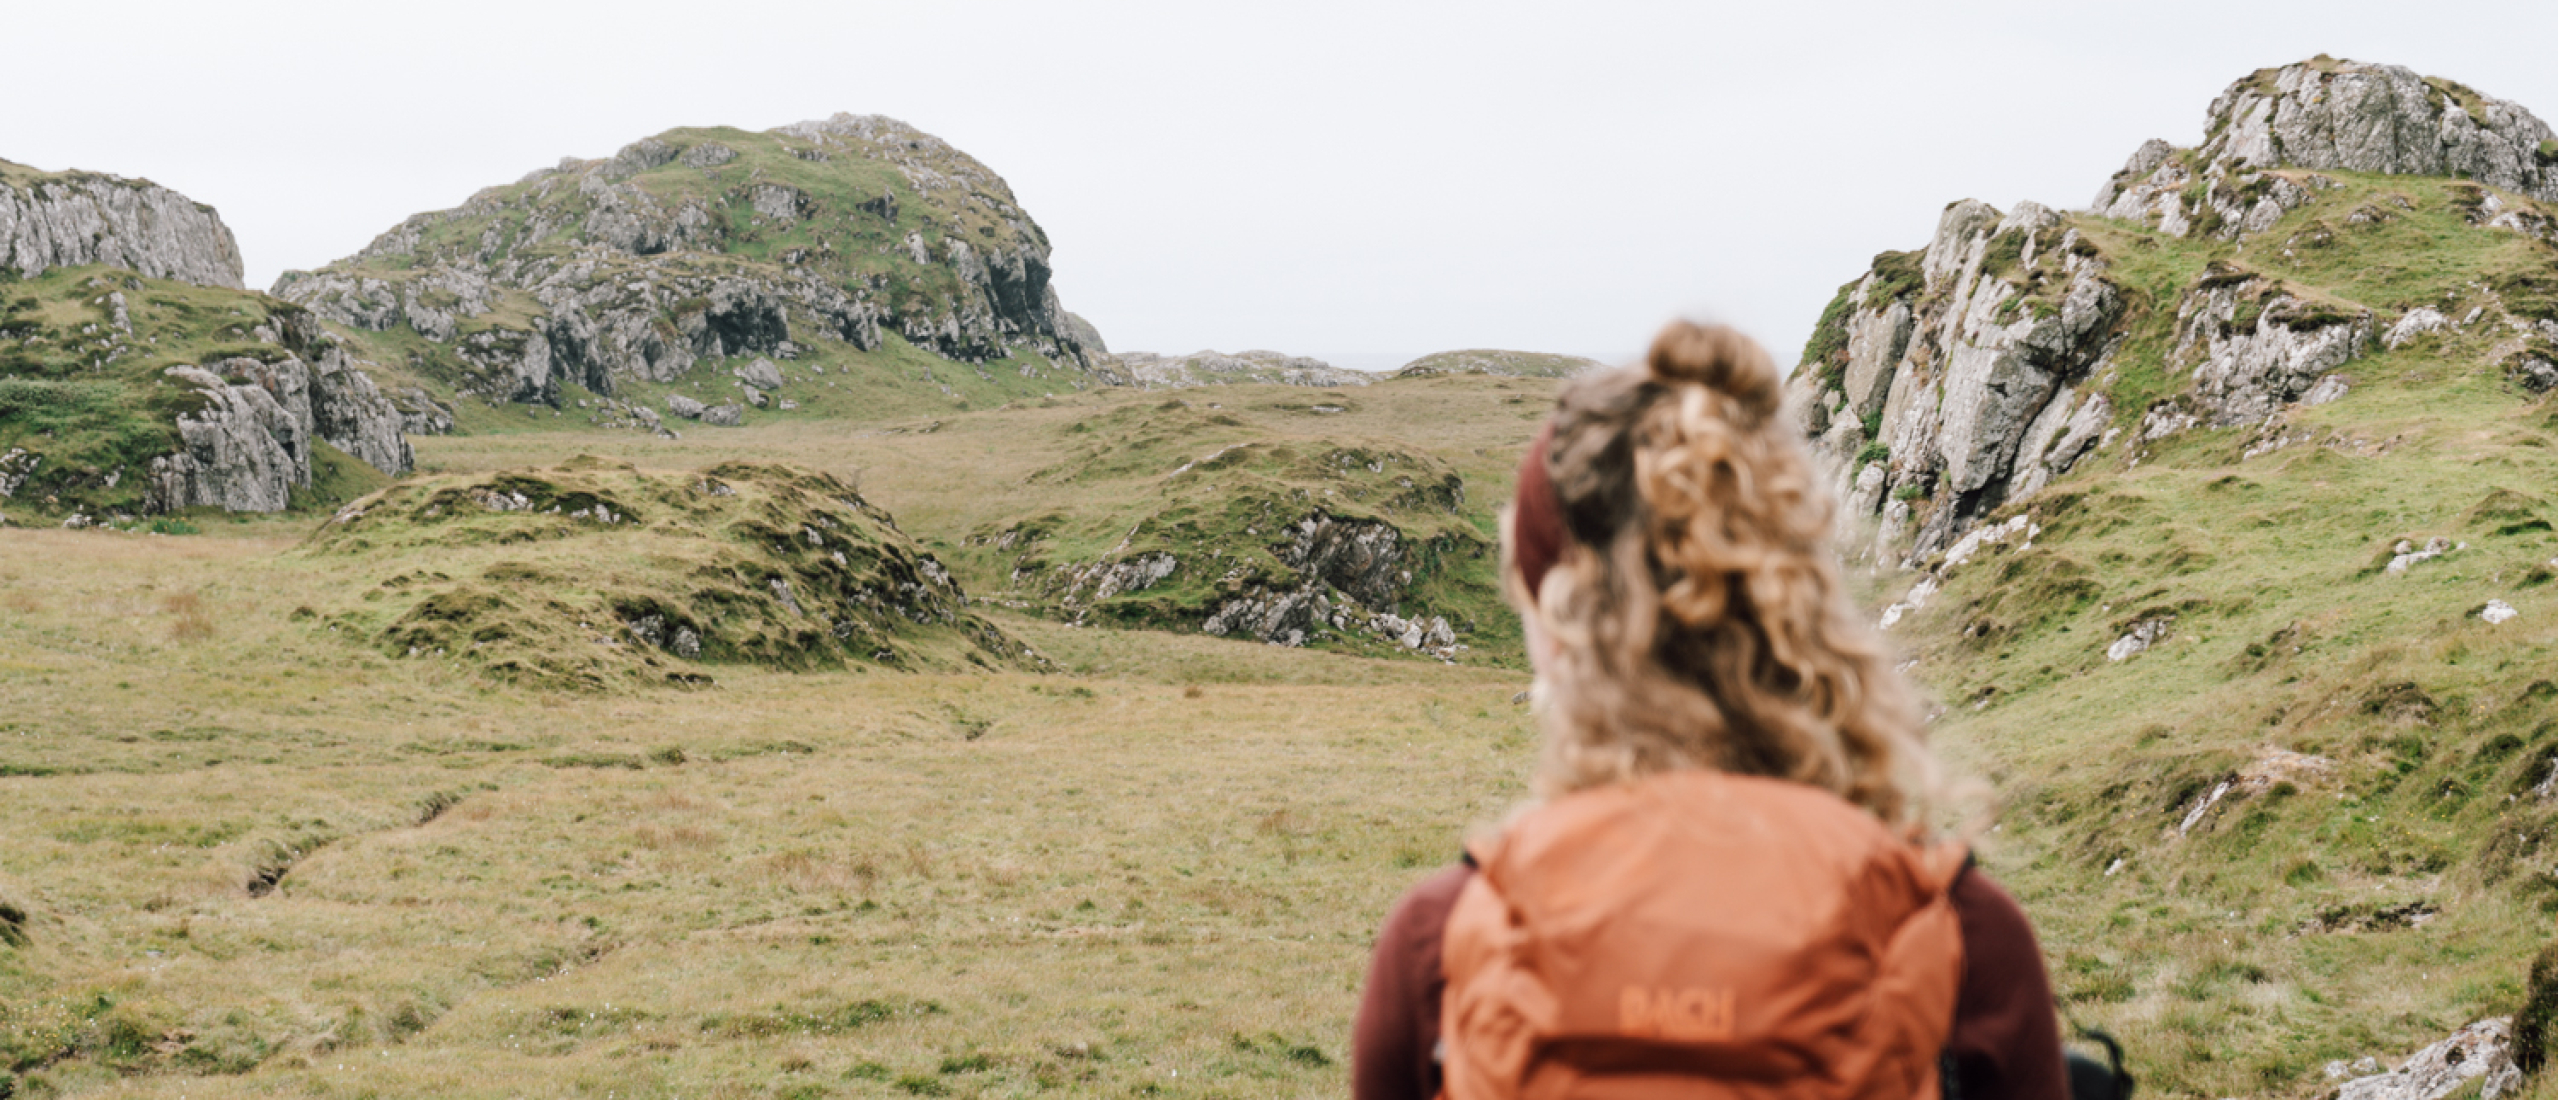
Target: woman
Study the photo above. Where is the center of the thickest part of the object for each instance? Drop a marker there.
(1722, 888)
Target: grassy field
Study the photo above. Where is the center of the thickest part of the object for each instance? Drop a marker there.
(256, 860)
(1114, 474)
(254, 848)
(260, 856)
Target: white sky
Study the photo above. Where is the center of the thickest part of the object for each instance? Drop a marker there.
(1308, 176)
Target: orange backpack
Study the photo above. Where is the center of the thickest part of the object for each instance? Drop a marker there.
(1701, 935)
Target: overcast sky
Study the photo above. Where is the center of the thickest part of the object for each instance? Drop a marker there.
(1306, 176)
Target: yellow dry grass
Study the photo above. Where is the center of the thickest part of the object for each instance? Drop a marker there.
(1158, 874)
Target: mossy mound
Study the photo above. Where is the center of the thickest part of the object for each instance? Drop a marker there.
(1181, 517)
(594, 574)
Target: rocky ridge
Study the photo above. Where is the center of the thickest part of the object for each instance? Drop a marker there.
(73, 219)
(2244, 582)
(1949, 382)
(1147, 370)
(1958, 375)
(1508, 364)
(715, 244)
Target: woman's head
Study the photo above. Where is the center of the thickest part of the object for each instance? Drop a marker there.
(1685, 600)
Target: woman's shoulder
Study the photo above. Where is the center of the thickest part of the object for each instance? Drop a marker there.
(1425, 907)
(1987, 909)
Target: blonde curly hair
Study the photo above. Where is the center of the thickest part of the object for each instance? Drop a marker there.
(1694, 616)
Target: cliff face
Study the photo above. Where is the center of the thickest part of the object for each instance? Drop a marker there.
(1954, 374)
(68, 219)
(2224, 510)
(711, 244)
(2218, 287)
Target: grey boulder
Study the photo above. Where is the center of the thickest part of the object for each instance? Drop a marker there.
(761, 374)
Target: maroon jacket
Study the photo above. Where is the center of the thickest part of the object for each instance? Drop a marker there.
(2006, 1043)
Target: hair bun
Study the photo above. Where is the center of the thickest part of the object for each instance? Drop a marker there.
(1719, 358)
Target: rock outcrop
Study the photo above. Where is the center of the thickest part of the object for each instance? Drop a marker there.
(1300, 540)
(2481, 1050)
(1362, 559)
(2325, 114)
(248, 444)
(1946, 383)
(16, 466)
(68, 219)
(715, 244)
(1955, 377)
(1214, 368)
(1085, 334)
(2253, 346)
(199, 395)
(241, 451)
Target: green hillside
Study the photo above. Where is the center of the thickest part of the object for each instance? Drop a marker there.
(2306, 823)
(85, 394)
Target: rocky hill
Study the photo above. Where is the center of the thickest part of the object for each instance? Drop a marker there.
(1147, 370)
(1509, 364)
(2217, 519)
(819, 241)
(135, 377)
